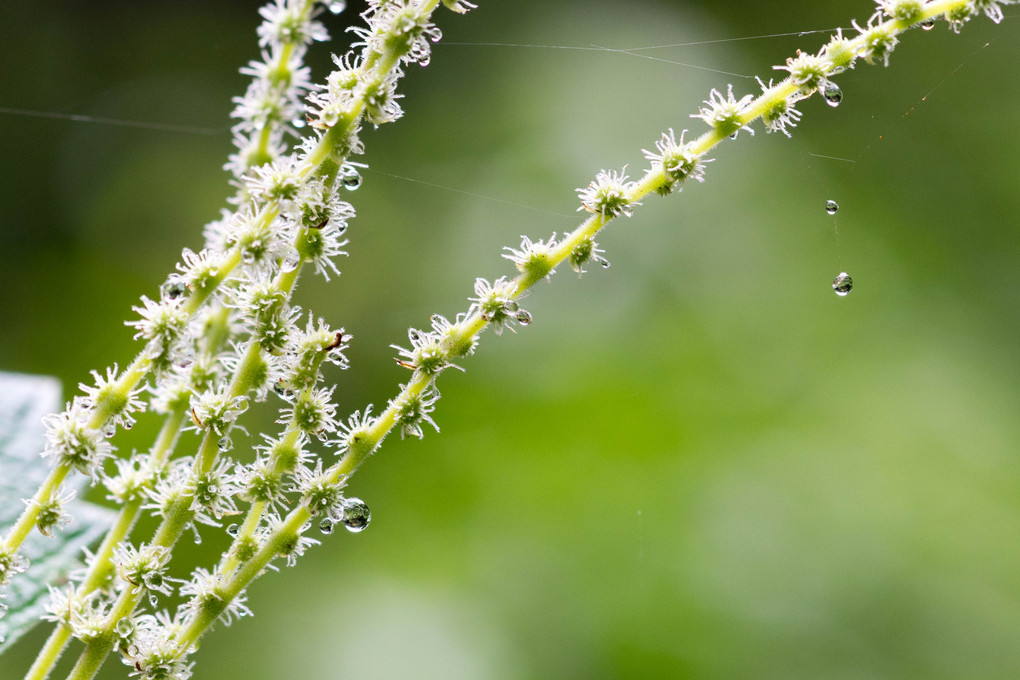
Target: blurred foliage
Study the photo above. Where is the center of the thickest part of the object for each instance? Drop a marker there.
(699, 463)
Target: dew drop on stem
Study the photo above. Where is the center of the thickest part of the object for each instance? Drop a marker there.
(233, 530)
(831, 207)
(326, 526)
(290, 261)
(125, 627)
(928, 24)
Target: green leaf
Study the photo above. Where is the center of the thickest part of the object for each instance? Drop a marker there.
(24, 400)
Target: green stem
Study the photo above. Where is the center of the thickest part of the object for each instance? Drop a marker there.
(49, 654)
(30, 515)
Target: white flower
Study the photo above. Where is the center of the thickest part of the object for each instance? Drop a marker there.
(70, 441)
(608, 195)
(725, 113)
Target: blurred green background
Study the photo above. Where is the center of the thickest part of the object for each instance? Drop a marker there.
(699, 463)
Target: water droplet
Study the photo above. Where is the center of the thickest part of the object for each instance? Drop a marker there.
(524, 317)
(734, 135)
(290, 261)
(125, 627)
(356, 514)
(511, 306)
(329, 117)
(153, 600)
(109, 429)
(225, 444)
(842, 284)
(248, 257)
(831, 207)
(173, 290)
(233, 530)
(337, 6)
(182, 355)
(602, 261)
(425, 61)
(298, 122)
(351, 178)
(928, 23)
(326, 526)
(832, 94)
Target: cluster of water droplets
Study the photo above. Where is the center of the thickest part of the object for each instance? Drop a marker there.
(353, 513)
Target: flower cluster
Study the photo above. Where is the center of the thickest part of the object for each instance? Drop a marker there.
(677, 160)
(272, 108)
(224, 329)
(725, 113)
(608, 195)
(71, 442)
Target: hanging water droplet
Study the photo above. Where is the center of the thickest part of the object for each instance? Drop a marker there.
(281, 389)
(153, 600)
(928, 23)
(602, 261)
(247, 256)
(233, 530)
(326, 526)
(842, 284)
(832, 94)
(290, 261)
(524, 317)
(511, 306)
(225, 444)
(425, 61)
(831, 207)
(356, 514)
(298, 122)
(351, 178)
(337, 6)
(109, 429)
(173, 290)
(734, 135)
